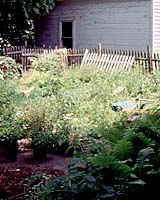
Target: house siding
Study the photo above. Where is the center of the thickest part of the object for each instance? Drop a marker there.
(156, 26)
(121, 24)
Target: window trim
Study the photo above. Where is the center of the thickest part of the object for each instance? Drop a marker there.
(61, 20)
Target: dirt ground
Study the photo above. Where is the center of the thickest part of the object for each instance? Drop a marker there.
(14, 176)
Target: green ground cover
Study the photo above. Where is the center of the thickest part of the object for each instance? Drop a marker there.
(118, 146)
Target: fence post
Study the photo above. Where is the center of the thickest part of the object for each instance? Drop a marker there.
(44, 49)
(24, 59)
(149, 58)
(25, 44)
(23, 62)
(99, 48)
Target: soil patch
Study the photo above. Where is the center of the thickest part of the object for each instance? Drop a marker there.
(14, 176)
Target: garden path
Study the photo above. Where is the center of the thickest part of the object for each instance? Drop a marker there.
(14, 176)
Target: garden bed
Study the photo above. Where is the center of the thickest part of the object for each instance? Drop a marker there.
(14, 176)
(14, 180)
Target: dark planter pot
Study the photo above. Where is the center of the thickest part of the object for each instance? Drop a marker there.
(10, 150)
(39, 153)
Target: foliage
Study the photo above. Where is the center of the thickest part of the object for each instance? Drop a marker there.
(14, 22)
(80, 183)
(122, 155)
(41, 133)
(11, 124)
(9, 69)
(80, 102)
(123, 172)
(8, 95)
(16, 18)
(119, 158)
(37, 8)
(47, 63)
(38, 122)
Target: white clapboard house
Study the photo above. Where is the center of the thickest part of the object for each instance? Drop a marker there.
(119, 24)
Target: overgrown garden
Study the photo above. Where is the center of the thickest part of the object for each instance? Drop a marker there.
(109, 123)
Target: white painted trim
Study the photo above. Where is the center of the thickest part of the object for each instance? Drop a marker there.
(60, 34)
(152, 25)
(68, 19)
(74, 33)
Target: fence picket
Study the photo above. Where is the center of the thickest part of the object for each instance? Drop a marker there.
(146, 59)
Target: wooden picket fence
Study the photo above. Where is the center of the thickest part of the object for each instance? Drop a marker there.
(147, 60)
(108, 62)
(23, 54)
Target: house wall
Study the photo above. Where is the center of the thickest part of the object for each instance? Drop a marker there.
(156, 26)
(122, 24)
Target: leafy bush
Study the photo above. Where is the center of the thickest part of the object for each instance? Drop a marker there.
(11, 123)
(37, 115)
(121, 158)
(82, 102)
(8, 94)
(125, 169)
(9, 69)
(47, 63)
(46, 86)
(11, 126)
(80, 183)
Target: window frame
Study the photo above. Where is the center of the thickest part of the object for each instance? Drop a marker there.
(61, 20)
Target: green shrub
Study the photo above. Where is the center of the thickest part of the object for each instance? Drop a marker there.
(9, 69)
(8, 94)
(11, 123)
(38, 117)
(11, 126)
(120, 158)
(41, 131)
(47, 63)
(126, 169)
(49, 87)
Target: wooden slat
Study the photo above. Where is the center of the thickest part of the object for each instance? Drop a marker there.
(117, 58)
(148, 60)
(85, 57)
(119, 62)
(103, 64)
(100, 66)
(109, 63)
(95, 58)
(123, 63)
(113, 62)
(106, 63)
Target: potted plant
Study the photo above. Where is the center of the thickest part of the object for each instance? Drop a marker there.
(11, 123)
(11, 130)
(41, 137)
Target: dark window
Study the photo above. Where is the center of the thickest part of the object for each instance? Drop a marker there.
(67, 34)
